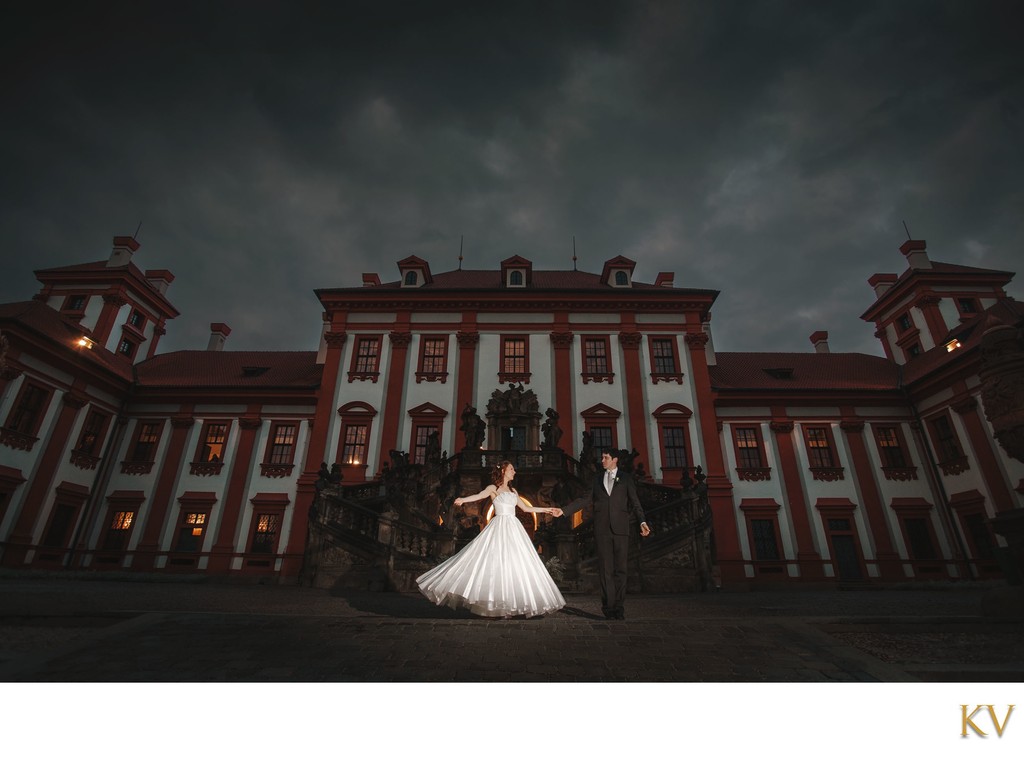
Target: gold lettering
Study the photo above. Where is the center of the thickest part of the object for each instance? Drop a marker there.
(967, 721)
(995, 721)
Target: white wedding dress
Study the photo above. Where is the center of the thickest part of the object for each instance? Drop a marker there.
(498, 574)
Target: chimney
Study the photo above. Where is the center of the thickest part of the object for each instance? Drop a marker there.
(820, 341)
(370, 279)
(159, 279)
(219, 333)
(881, 283)
(665, 279)
(124, 247)
(916, 255)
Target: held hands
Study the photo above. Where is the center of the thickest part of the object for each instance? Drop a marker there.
(459, 502)
(645, 530)
(555, 511)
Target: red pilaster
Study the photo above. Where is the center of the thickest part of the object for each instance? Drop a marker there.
(807, 558)
(928, 303)
(561, 341)
(112, 303)
(305, 490)
(468, 339)
(224, 547)
(889, 565)
(37, 496)
(984, 454)
(730, 559)
(633, 381)
(400, 340)
(163, 492)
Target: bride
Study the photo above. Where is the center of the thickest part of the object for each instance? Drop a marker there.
(498, 574)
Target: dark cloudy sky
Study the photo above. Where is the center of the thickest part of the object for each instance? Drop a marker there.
(769, 150)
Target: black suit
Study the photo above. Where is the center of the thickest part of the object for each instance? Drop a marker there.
(611, 534)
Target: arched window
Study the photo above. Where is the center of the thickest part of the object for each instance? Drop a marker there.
(515, 279)
(410, 277)
(621, 278)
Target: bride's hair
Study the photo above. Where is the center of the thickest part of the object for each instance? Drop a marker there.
(498, 472)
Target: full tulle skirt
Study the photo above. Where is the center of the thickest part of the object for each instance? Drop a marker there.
(498, 574)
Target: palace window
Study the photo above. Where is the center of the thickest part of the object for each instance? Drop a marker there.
(621, 279)
(421, 438)
(515, 278)
(282, 443)
(60, 525)
(748, 447)
(919, 538)
(889, 447)
(515, 359)
(27, 413)
(433, 359)
(596, 361)
(92, 432)
(410, 277)
(190, 531)
(212, 441)
(946, 441)
(137, 319)
(126, 348)
(366, 359)
(674, 446)
(118, 528)
(264, 537)
(663, 355)
(354, 450)
(903, 322)
(75, 303)
(146, 438)
(819, 447)
(601, 438)
(766, 547)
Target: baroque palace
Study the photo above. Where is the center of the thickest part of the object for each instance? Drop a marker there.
(339, 464)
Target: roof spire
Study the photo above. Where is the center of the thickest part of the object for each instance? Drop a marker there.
(461, 237)
(574, 253)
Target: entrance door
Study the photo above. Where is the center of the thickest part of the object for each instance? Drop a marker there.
(845, 556)
(513, 438)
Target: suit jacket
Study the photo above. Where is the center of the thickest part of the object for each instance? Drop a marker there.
(612, 512)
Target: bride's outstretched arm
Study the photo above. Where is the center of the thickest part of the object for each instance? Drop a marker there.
(549, 510)
(487, 492)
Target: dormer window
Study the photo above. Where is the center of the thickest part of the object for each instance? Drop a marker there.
(516, 272)
(903, 322)
(621, 279)
(516, 279)
(618, 272)
(967, 305)
(415, 272)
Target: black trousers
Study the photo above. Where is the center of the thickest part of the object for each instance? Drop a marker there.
(612, 554)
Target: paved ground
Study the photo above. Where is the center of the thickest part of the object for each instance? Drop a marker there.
(82, 629)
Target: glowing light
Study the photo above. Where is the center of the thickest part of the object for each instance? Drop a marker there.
(953, 345)
(84, 342)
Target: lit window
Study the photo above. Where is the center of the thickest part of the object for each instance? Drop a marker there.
(819, 448)
(212, 447)
(434, 355)
(265, 533)
(354, 451)
(91, 432)
(190, 533)
(749, 447)
(282, 444)
(514, 356)
(890, 447)
(145, 442)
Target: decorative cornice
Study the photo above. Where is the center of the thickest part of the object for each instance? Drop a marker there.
(276, 470)
(900, 473)
(353, 376)
(73, 400)
(828, 474)
(562, 339)
(335, 339)
(84, 461)
(15, 440)
(467, 339)
(400, 339)
(514, 377)
(432, 377)
(955, 466)
(754, 473)
(205, 468)
(964, 405)
(696, 341)
(666, 377)
(136, 468)
(598, 377)
(630, 340)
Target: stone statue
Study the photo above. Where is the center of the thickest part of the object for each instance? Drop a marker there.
(472, 427)
(432, 453)
(550, 429)
(335, 477)
(323, 478)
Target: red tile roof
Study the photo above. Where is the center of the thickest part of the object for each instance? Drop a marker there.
(938, 270)
(100, 270)
(803, 371)
(38, 319)
(231, 369)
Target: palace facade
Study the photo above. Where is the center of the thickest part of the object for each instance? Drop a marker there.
(819, 466)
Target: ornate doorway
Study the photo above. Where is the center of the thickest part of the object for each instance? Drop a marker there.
(513, 419)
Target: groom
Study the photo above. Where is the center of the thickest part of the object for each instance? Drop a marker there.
(614, 497)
